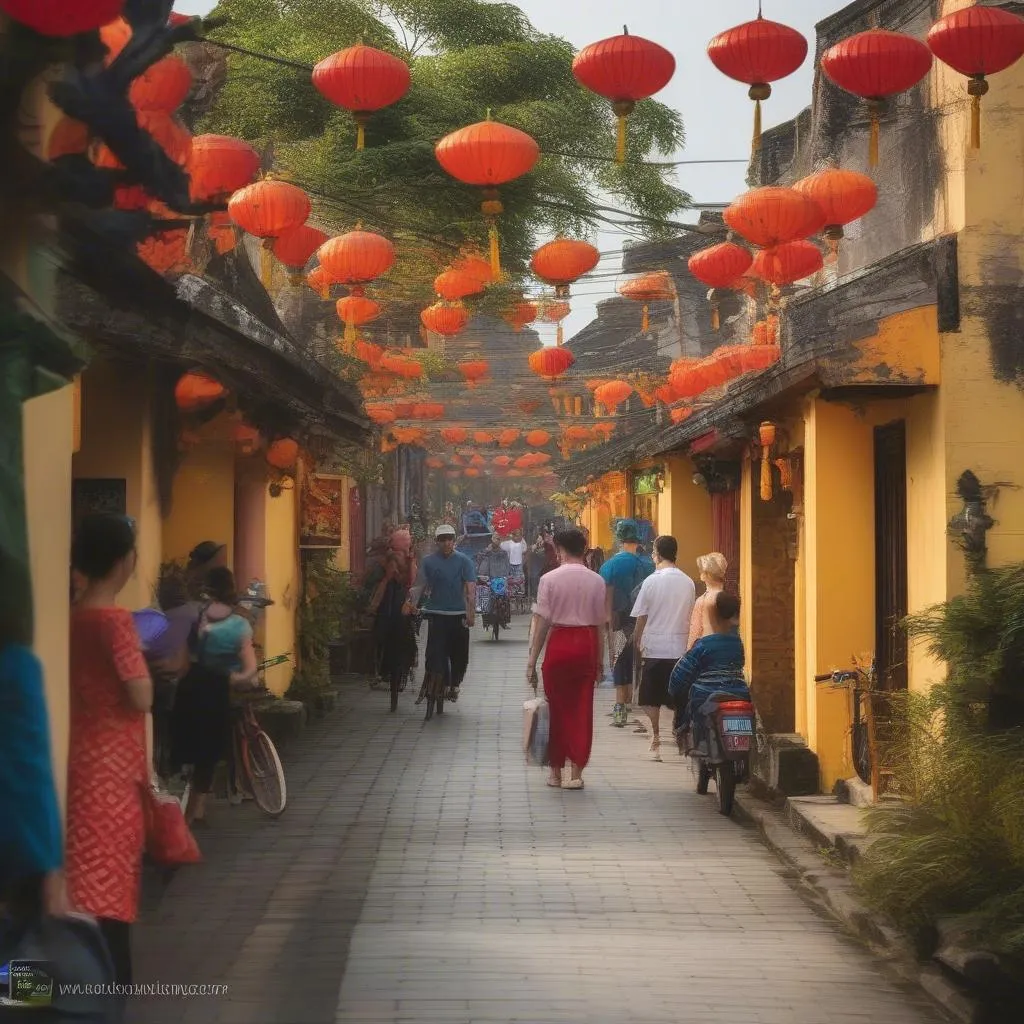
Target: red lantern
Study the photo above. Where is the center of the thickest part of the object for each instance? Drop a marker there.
(759, 357)
(774, 215)
(444, 319)
(648, 288)
(766, 332)
(613, 394)
(689, 378)
(294, 248)
(551, 363)
(247, 438)
(844, 196)
(268, 209)
(719, 267)
(474, 266)
(488, 154)
(538, 438)
(433, 462)
(472, 472)
(428, 411)
(455, 285)
(758, 53)
(369, 353)
(401, 366)
(624, 69)
(789, 262)
(166, 252)
(978, 41)
(318, 280)
(354, 311)
(362, 79)
(166, 131)
(356, 257)
(220, 165)
(521, 314)
(474, 370)
(380, 414)
(196, 390)
(680, 414)
(665, 394)
(564, 261)
(283, 454)
(454, 435)
(875, 65)
(220, 231)
(162, 87)
(62, 17)
(483, 437)
(502, 461)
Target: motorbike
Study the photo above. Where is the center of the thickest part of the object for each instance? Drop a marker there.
(499, 613)
(721, 738)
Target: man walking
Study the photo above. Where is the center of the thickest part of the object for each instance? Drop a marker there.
(623, 573)
(662, 612)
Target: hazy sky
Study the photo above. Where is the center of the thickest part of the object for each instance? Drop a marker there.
(716, 112)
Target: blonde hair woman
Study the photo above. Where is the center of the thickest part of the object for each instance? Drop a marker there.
(712, 569)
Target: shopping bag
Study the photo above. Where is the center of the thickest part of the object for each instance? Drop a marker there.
(536, 729)
(169, 840)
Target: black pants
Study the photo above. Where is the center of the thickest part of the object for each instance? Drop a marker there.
(447, 647)
(118, 937)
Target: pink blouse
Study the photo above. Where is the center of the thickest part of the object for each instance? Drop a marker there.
(571, 595)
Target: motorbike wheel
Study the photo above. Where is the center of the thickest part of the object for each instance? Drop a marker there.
(725, 782)
(703, 778)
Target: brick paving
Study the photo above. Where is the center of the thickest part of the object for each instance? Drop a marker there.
(422, 873)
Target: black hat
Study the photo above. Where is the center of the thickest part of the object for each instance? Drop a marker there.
(204, 553)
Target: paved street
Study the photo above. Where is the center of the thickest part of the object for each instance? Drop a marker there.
(422, 873)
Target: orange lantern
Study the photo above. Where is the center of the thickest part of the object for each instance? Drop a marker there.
(318, 280)
(789, 262)
(648, 288)
(444, 319)
(538, 438)
(502, 461)
(402, 410)
(483, 437)
(613, 394)
(665, 394)
(474, 370)
(362, 79)
(471, 472)
(766, 332)
(268, 209)
(197, 390)
(401, 366)
(295, 247)
(774, 215)
(718, 267)
(508, 437)
(843, 196)
(162, 87)
(474, 266)
(766, 435)
(165, 252)
(283, 454)
(454, 435)
(680, 414)
(428, 411)
(564, 261)
(488, 154)
(369, 353)
(221, 231)
(356, 257)
(354, 311)
(689, 378)
(759, 357)
(220, 165)
(454, 285)
(407, 435)
(551, 363)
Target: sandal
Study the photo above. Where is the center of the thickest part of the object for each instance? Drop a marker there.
(452, 694)
(573, 784)
(554, 783)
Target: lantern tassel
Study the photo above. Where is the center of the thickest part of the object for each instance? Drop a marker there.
(559, 335)
(766, 478)
(976, 121)
(756, 141)
(350, 336)
(716, 322)
(266, 266)
(492, 237)
(620, 141)
(645, 321)
(873, 140)
(360, 135)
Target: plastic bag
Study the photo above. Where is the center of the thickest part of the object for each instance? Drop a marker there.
(169, 840)
(536, 730)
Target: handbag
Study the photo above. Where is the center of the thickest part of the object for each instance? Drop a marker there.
(169, 840)
(536, 731)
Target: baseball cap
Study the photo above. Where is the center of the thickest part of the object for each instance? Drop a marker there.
(205, 551)
(444, 530)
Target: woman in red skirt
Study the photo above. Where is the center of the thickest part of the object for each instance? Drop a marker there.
(569, 614)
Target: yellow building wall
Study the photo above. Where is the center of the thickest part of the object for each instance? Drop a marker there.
(746, 569)
(115, 442)
(685, 513)
(282, 569)
(203, 501)
(47, 443)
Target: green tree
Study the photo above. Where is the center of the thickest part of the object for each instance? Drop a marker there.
(467, 57)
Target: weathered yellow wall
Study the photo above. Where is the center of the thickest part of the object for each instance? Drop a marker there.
(746, 573)
(282, 568)
(47, 442)
(685, 513)
(203, 501)
(116, 443)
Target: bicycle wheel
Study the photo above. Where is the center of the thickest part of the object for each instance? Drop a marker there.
(266, 775)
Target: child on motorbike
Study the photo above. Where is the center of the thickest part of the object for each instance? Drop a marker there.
(713, 664)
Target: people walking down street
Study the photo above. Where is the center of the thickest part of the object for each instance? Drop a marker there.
(492, 564)
(622, 574)
(593, 558)
(516, 548)
(448, 578)
(108, 761)
(662, 612)
(222, 657)
(569, 616)
(712, 569)
(392, 631)
(402, 546)
(715, 662)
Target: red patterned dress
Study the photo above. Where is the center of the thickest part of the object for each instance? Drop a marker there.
(106, 765)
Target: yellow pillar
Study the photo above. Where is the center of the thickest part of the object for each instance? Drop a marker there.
(686, 513)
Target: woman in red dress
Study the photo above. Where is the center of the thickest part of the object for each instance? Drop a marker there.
(108, 766)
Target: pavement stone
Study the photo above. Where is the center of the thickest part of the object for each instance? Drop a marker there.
(422, 872)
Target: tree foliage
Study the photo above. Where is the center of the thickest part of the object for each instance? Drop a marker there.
(467, 57)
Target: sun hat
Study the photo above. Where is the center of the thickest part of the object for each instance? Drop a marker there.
(444, 530)
(204, 553)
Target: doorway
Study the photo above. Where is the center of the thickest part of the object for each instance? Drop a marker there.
(891, 555)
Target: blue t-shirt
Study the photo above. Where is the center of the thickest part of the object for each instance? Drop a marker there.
(220, 643)
(715, 661)
(445, 580)
(625, 572)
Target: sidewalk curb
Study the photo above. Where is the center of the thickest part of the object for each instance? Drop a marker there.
(833, 890)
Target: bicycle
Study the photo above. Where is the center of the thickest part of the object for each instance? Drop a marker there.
(257, 765)
(860, 682)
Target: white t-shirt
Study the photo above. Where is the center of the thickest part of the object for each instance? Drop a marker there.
(515, 550)
(666, 598)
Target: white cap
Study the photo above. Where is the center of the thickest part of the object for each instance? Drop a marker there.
(444, 530)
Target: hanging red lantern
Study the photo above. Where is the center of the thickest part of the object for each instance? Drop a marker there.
(162, 87)
(401, 366)
(247, 438)
(766, 332)
(166, 131)
(474, 370)
(474, 266)
(719, 266)
(564, 261)
(502, 461)
(875, 65)
(444, 319)
(369, 353)
(62, 18)
(318, 280)
(433, 462)
(488, 154)
(362, 79)
(295, 248)
(759, 357)
(551, 363)
(428, 411)
(197, 390)
(354, 311)
(508, 437)
(789, 262)
(472, 472)
(538, 438)
(648, 288)
(689, 378)
(166, 252)
(773, 215)
(624, 69)
(454, 435)
(220, 165)
(613, 394)
(356, 257)
(521, 314)
(844, 196)
(283, 454)
(455, 285)
(680, 414)
(221, 231)
(978, 41)
(758, 53)
(408, 435)
(269, 208)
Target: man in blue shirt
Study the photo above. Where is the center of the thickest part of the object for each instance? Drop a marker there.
(623, 573)
(448, 577)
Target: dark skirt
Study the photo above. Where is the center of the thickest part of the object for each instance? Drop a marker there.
(201, 722)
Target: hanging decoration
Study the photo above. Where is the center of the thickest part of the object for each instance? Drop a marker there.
(613, 394)
(564, 261)
(719, 266)
(520, 315)
(266, 210)
(474, 370)
(538, 438)
(61, 18)
(354, 259)
(455, 285)
(318, 280)
(551, 363)
(196, 390)
(508, 437)
(247, 438)
(647, 288)
(766, 332)
(791, 261)
(428, 411)
(454, 435)
(401, 366)
(624, 69)
(433, 462)
(758, 53)
(221, 231)
(978, 41)
(488, 154)
(369, 353)
(283, 454)
(680, 413)
(554, 311)
(220, 165)
(166, 252)
(362, 79)
(445, 319)
(876, 65)
(473, 265)
(355, 310)
(162, 87)
(774, 215)
(844, 196)
(766, 435)
(296, 247)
